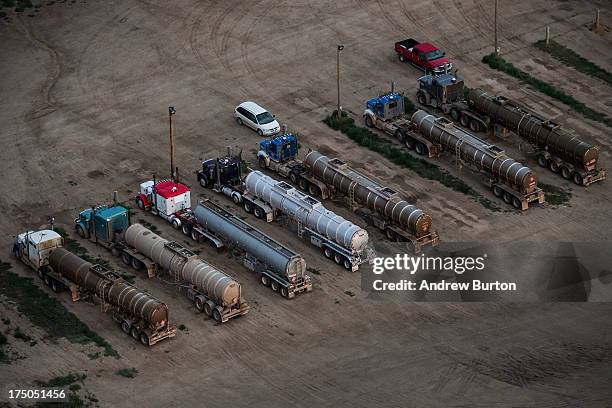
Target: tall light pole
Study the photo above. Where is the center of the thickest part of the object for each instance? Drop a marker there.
(171, 111)
(495, 24)
(340, 48)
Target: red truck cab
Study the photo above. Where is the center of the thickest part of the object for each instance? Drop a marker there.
(425, 56)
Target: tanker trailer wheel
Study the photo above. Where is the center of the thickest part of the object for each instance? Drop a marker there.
(542, 161)
(410, 143)
(455, 114)
(186, 230)
(566, 173)
(55, 286)
(204, 181)
(421, 98)
(302, 184)
(265, 280)
(136, 264)
(216, 314)
(390, 235)
(474, 126)
(262, 163)
(275, 286)
(553, 166)
(47, 280)
(194, 235)
(248, 207)
(135, 333)
(507, 198)
(347, 264)
(127, 259)
(498, 192)
(578, 179)
(208, 308)
(314, 190)
(420, 148)
(199, 304)
(144, 339)
(464, 120)
(284, 292)
(516, 203)
(41, 274)
(176, 223)
(328, 253)
(338, 259)
(125, 326)
(399, 135)
(293, 178)
(236, 199)
(259, 213)
(368, 122)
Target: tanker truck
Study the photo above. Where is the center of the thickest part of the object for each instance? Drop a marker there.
(139, 314)
(323, 177)
(212, 292)
(555, 148)
(276, 265)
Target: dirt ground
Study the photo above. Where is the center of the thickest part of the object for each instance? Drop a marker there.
(84, 91)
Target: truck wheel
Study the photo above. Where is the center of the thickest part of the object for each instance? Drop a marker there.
(199, 304)
(55, 286)
(578, 179)
(216, 314)
(454, 114)
(498, 192)
(208, 308)
(144, 339)
(80, 231)
(195, 235)
(314, 190)
(260, 132)
(553, 166)
(248, 207)
(125, 326)
(507, 198)
(204, 181)
(275, 286)
(402, 58)
(474, 126)
(542, 161)
(399, 135)
(410, 143)
(236, 199)
(338, 259)
(328, 253)
(347, 264)
(126, 258)
(420, 148)
(115, 251)
(516, 203)
(136, 264)
(284, 292)
(176, 223)
(41, 274)
(293, 177)
(566, 173)
(186, 230)
(262, 163)
(368, 121)
(464, 120)
(421, 98)
(303, 185)
(140, 203)
(47, 280)
(265, 280)
(391, 236)
(135, 333)
(259, 213)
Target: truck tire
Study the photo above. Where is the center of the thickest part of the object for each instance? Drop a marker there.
(262, 163)
(368, 121)
(421, 98)
(260, 132)
(578, 179)
(328, 253)
(140, 203)
(566, 173)
(216, 314)
(144, 339)
(553, 166)
(41, 274)
(293, 177)
(185, 229)
(338, 259)
(402, 58)
(507, 198)
(195, 235)
(516, 203)
(55, 286)
(314, 190)
(498, 192)
(236, 199)
(275, 286)
(125, 326)
(420, 148)
(204, 181)
(176, 223)
(258, 212)
(464, 120)
(126, 258)
(47, 280)
(542, 161)
(399, 135)
(284, 291)
(347, 264)
(455, 115)
(391, 235)
(264, 280)
(474, 125)
(302, 184)
(248, 207)
(81, 232)
(409, 143)
(199, 304)
(136, 264)
(135, 333)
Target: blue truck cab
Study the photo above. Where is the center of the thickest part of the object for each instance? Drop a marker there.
(278, 149)
(385, 107)
(105, 223)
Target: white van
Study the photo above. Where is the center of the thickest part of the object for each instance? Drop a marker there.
(257, 118)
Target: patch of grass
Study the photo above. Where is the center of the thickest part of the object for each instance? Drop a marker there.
(127, 372)
(573, 59)
(18, 334)
(129, 278)
(150, 226)
(6, 321)
(182, 327)
(4, 356)
(555, 195)
(8, 3)
(94, 356)
(366, 138)
(348, 292)
(409, 106)
(313, 270)
(46, 312)
(61, 381)
(500, 64)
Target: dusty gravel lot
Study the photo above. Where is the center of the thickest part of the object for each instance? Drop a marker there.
(84, 91)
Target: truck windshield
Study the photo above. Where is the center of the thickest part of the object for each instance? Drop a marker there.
(434, 55)
(264, 118)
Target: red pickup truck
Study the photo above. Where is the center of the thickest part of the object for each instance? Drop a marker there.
(424, 56)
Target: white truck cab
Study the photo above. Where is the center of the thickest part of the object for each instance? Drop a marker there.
(33, 247)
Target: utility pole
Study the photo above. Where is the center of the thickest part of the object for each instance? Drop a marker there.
(171, 111)
(340, 48)
(495, 24)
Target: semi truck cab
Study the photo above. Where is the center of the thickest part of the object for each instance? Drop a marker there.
(34, 247)
(385, 107)
(279, 149)
(106, 223)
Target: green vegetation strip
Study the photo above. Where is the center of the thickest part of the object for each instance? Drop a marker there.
(366, 138)
(555, 195)
(61, 381)
(46, 312)
(127, 372)
(500, 64)
(571, 58)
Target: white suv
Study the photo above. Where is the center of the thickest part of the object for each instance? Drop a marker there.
(257, 118)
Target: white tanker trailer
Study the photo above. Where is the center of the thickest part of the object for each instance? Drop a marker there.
(212, 291)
